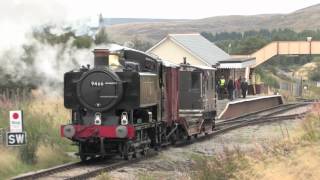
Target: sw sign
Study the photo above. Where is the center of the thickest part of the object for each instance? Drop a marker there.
(16, 138)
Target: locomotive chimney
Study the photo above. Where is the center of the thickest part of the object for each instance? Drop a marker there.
(101, 57)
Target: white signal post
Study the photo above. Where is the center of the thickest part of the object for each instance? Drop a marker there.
(16, 121)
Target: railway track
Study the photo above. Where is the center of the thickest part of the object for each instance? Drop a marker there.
(266, 112)
(80, 170)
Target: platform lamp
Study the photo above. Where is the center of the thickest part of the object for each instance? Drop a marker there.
(309, 39)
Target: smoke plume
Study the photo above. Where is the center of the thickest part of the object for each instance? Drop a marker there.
(27, 60)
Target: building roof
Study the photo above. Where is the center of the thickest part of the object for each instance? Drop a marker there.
(237, 59)
(237, 63)
(199, 46)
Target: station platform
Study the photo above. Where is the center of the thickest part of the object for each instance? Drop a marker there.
(222, 103)
(229, 109)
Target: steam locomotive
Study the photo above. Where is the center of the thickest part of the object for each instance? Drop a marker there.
(130, 102)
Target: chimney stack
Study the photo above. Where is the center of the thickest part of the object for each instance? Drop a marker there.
(101, 57)
(184, 60)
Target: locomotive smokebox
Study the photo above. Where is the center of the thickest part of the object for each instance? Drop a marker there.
(101, 57)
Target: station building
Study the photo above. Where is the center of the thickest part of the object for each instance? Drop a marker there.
(197, 50)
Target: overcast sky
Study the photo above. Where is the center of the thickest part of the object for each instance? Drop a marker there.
(181, 8)
(172, 9)
(18, 16)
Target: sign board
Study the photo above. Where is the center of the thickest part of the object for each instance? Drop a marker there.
(318, 84)
(16, 138)
(16, 121)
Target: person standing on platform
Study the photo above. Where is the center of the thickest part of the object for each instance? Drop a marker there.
(221, 83)
(244, 88)
(230, 88)
(238, 87)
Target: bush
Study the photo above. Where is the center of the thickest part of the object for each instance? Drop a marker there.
(101, 37)
(221, 166)
(311, 125)
(315, 74)
(82, 42)
(267, 79)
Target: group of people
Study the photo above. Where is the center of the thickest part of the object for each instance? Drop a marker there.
(234, 89)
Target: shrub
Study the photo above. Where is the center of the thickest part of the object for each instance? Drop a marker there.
(221, 166)
(311, 125)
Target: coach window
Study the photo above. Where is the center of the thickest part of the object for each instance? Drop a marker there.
(195, 81)
(212, 82)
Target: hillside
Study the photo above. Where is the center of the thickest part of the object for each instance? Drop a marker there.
(116, 21)
(306, 18)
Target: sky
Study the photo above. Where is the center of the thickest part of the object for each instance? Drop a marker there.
(190, 9)
(17, 17)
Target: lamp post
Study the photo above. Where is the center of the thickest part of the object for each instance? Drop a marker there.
(229, 48)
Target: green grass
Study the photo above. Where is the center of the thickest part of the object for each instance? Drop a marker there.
(45, 148)
(311, 126)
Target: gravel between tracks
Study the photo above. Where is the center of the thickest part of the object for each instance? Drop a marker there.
(170, 163)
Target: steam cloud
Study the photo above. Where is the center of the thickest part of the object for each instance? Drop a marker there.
(50, 62)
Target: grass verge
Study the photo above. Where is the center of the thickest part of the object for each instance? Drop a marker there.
(45, 148)
(295, 157)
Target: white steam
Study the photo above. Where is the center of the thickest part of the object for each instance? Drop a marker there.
(49, 62)
(17, 17)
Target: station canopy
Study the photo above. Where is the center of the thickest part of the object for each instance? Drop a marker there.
(236, 63)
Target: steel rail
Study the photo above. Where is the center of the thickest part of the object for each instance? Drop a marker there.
(49, 171)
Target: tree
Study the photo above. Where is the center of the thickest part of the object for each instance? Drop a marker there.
(140, 44)
(101, 37)
(315, 74)
(82, 42)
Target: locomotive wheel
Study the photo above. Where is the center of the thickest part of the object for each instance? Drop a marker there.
(84, 158)
(173, 139)
(134, 155)
(128, 157)
(195, 136)
(157, 147)
(128, 151)
(144, 152)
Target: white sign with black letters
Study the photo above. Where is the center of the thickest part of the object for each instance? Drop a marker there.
(16, 138)
(16, 121)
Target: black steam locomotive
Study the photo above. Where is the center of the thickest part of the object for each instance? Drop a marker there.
(130, 102)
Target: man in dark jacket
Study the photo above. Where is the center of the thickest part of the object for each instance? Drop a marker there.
(244, 88)
(230, 88)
